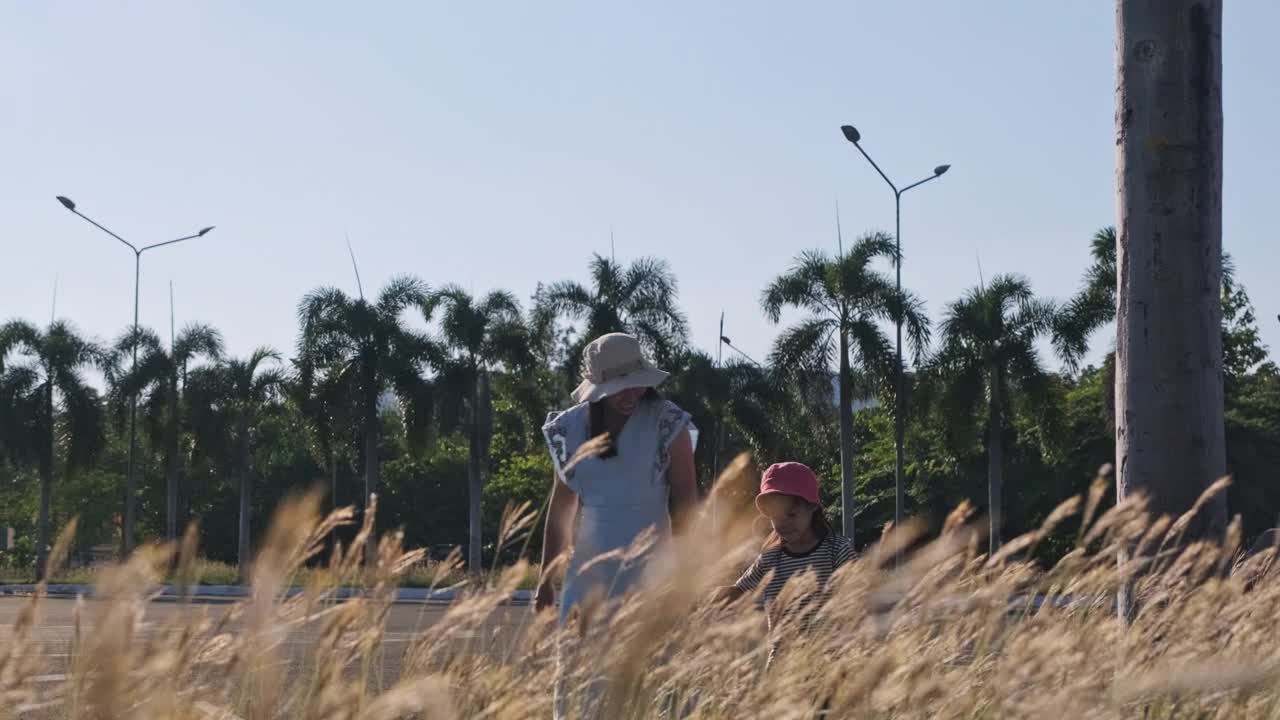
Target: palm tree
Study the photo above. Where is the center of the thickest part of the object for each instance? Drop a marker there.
(847, 300)
(988, 356)
(1093, 306)
(478, 336)
(234, 395)
(158, 376)
(737, 402)
(329, 416)
(639, 299)
(364, 349)
(66, 414)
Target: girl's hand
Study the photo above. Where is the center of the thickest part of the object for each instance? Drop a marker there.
(725, 595)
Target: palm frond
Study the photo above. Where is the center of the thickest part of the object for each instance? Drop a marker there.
(500, 304)
(803, 286)
(81, 424)
(805, 347)
(872, 246)
(151, 377)
(567, 298)
(606, 275)
(509, 343)
(1035, 316)
(141, 339)
(260, 355)
(196, 340)
(649, 277)
(915, 320)
(961, 400)
(875, 355)
(16, 337)
(401, 293)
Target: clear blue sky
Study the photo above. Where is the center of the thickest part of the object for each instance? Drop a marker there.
(495, 144)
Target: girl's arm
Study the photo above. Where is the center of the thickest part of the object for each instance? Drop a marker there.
(555, 537)
(726, 595)
(682, 478)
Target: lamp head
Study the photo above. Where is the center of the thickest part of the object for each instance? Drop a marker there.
(851, 133)
(66, 202)
(205, 231)
(941, 169)
(726, 340)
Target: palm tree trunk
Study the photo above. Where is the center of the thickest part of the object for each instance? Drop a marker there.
(995, 459)
(846, 438)
(333, 494)
(243, 559)
(371, 478)
(46, 485)
(474, 483)
(171, 464)
(1169, 397)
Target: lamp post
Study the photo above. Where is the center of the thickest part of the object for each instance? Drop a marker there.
(899, 430)
(729, 343)
(131, 481)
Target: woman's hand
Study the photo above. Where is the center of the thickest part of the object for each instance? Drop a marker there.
(545, 596)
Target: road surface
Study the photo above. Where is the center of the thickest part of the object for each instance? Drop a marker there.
(404, 623)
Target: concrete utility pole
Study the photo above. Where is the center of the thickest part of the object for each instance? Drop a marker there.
(1169, 397)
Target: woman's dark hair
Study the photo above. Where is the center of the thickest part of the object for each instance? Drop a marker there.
(596, 425)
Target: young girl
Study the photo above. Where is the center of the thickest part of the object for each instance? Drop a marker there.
(802, 541)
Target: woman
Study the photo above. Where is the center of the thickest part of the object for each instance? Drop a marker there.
(643, 479)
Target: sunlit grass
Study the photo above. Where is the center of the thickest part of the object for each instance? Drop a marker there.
(919, 627)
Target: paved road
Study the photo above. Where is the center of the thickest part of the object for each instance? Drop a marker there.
(404, 623)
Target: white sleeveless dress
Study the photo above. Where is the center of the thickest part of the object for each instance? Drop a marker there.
(619, 497)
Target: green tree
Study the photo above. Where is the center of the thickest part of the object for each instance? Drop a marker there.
(158, 380)
(736, 406)
(1242, 348)
(986, 361)
(1093, 306)
(639, 299)
(66, 418)
(329, 418)
(237, 394)
(478, 337)
(365, 349)
(847, 301)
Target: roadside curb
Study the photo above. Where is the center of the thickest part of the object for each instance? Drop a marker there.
(229, 593)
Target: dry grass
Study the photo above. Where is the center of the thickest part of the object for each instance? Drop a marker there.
(933, 635)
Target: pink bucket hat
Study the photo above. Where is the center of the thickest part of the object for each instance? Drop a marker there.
(789, 478)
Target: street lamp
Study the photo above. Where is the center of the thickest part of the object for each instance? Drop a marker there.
(131, 482)
(853, 136)
(726, 341)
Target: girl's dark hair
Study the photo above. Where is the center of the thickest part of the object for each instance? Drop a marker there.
(596, 422)
(821, 528)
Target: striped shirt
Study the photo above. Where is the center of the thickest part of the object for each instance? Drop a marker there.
(824, 559)
(781, 565)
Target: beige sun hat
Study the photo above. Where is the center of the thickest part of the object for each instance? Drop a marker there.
(613, 363)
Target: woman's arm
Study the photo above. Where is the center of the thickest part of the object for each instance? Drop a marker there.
(682, 478)
(555, 537)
